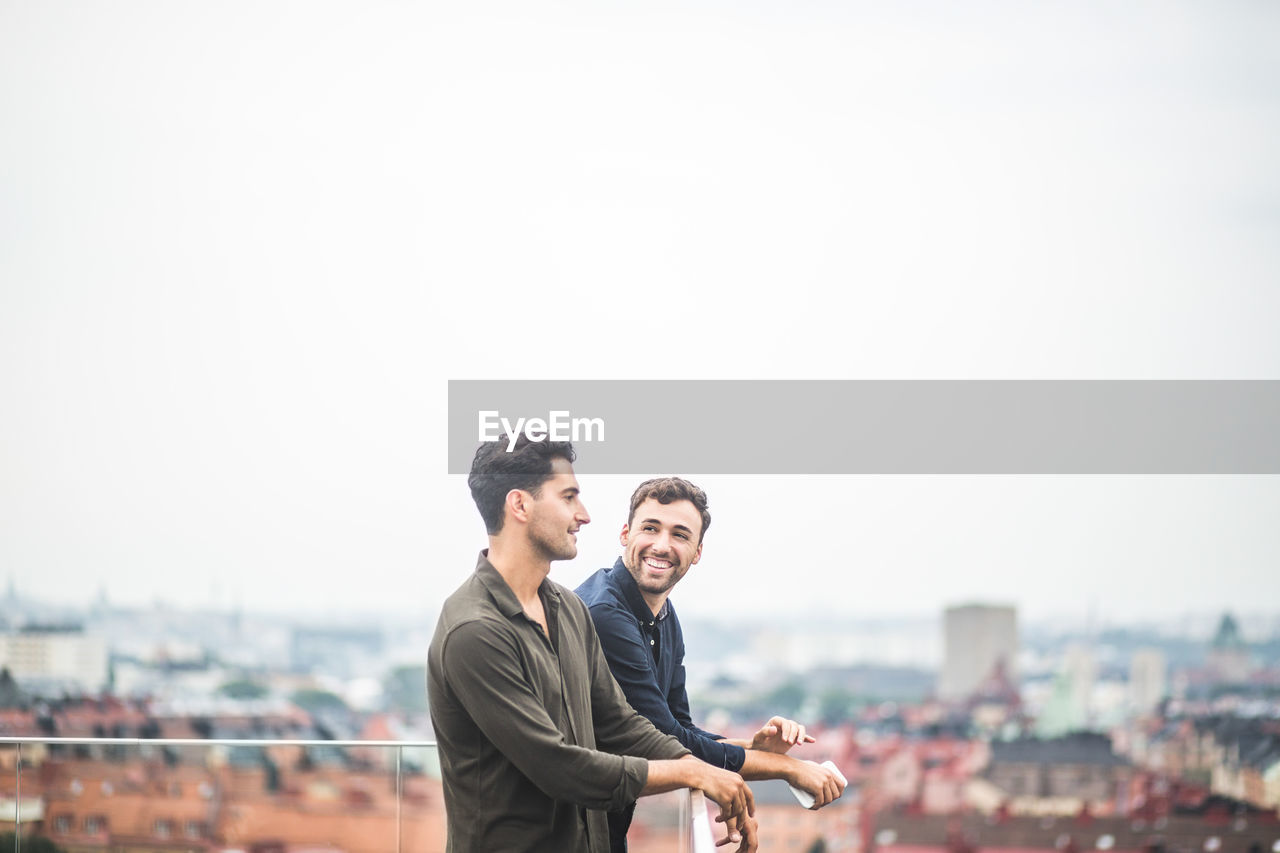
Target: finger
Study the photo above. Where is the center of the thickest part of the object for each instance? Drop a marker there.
(743, 828)
(732, 828)
(732, 832)
(808, 738)
(800, 734)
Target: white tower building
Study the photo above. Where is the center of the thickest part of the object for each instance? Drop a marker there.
(977, 638)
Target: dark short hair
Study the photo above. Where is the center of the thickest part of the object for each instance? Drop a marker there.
(495, 471)
(666, 490)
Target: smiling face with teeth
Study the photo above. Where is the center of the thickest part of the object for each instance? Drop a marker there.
(660, 544)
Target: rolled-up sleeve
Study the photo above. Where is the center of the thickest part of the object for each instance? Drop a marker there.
(632, 665)
(485, 673)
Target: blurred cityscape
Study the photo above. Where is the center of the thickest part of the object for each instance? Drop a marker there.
(964, 731)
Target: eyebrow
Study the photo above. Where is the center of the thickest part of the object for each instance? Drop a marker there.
(677, 526)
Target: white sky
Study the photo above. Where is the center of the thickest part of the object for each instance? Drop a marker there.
(244, 245)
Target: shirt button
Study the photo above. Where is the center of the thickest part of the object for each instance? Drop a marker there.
(651, 642)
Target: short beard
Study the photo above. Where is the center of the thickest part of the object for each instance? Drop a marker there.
(667, 585)
(547, 549)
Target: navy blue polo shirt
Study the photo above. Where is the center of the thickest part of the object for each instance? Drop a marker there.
(646, 655)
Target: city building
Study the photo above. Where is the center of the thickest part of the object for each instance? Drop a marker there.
(55, 658)
(1147, 683)
(1228, 655)
(277, 800)
(1060, 776)
(979, 641)
(338, 652)
(902, 832)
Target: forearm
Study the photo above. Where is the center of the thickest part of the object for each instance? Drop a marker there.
(736, 741)
(673, 774)
(768, 765)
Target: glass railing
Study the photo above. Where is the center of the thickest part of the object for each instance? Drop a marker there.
(172, 795)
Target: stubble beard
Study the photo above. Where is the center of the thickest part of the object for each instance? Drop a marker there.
(651, 585)
(548, 546)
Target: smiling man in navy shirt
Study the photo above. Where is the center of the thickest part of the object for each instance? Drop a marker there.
(644, 645)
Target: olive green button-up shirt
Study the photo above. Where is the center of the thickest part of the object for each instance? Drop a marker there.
(536, 738)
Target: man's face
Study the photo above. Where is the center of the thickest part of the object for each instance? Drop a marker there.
(661, 543)
(557, 513)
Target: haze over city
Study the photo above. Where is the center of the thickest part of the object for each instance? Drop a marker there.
(246, 246)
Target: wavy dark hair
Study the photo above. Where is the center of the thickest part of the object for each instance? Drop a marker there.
(495, 471)
(667, 490)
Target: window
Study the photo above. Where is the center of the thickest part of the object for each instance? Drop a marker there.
(95, 823)
(193, 829)
(62, 824)
(163, 828)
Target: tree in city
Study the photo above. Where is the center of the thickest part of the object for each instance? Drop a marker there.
(315, 701)
(785, 699)
(243, 689)
(11, 695)
(406, 689)
(835, 705)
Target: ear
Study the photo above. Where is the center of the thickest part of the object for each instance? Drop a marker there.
(517, 504)
(624, 535)
(697, 555)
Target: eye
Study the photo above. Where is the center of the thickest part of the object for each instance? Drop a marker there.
(649, 528)
(683, 536)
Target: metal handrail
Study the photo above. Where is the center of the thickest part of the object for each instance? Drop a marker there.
(195, 741)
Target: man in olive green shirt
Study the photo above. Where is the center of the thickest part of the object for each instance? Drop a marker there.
(536, 738)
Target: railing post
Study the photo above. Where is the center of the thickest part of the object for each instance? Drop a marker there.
(699, 824)
(399, 799)
(17, 803)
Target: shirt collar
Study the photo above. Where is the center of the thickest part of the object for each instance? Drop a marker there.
(631, 592)
(501, 591)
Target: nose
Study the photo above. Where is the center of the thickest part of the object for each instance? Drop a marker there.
(581, 515)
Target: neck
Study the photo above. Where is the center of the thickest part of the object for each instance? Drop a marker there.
(521, 567)
(655, 600)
